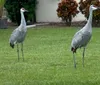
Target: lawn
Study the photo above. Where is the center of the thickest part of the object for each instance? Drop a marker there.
(48, 59)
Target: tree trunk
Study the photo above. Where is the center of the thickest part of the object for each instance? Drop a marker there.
(34, 17)
(69, 20)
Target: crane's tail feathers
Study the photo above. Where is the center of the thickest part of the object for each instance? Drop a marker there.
(73, 50)
(12, 45)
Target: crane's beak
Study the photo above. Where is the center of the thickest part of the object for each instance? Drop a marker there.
(98, 7)
(26, 10)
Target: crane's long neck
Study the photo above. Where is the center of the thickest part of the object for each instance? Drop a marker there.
(90, 18)
(89, 22)
(23, 22)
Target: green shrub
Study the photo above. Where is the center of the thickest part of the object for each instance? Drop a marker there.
(13, 9)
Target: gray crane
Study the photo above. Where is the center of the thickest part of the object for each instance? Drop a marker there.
(83, 36)
(18, 35)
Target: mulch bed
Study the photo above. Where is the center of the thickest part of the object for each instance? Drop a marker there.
(62, 24)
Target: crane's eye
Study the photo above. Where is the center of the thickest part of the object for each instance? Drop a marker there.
(23, 9)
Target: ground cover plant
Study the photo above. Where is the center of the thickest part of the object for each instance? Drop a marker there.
(48, 59)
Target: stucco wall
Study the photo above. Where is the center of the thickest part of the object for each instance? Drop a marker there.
(79, 16)
(46, 11)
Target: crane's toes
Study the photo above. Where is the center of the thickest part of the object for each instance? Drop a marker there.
(12, 45)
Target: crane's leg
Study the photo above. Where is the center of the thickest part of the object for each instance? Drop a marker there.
(18, 51)
(74, 60)
(83, 56)
(22, 51)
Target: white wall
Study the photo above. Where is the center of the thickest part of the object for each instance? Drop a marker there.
(46, 11)
(79, 16)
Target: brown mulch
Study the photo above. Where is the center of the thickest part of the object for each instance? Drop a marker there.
(62, 24)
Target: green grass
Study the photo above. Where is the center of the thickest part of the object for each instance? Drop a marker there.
(48, 59)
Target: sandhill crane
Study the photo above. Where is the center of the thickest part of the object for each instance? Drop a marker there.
(83, 36)
(18, 35)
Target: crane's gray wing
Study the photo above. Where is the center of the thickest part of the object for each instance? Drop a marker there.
(14, 36)
(81, 38)
(17, 36)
